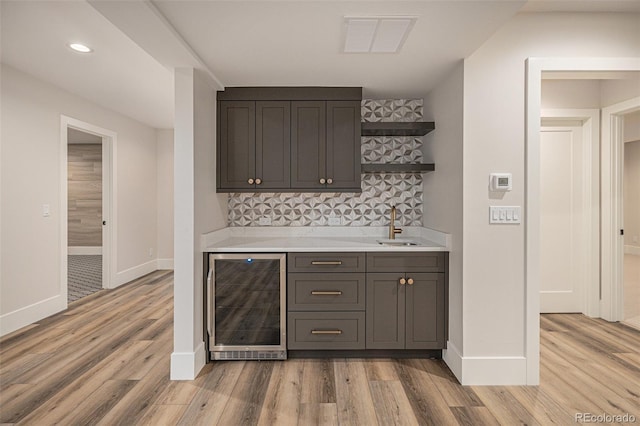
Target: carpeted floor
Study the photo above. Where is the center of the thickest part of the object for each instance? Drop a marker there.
(85, 276)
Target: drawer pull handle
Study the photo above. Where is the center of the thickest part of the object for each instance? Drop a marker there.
(326, 331)
(326, 293)
(326, 262)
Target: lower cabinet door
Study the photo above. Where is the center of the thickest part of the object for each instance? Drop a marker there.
(425, 321)
(385, 311)
(326, 330)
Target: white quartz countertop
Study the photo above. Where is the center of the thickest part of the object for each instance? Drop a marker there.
(320, 239)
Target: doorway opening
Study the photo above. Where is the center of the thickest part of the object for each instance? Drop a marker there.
(535, 67)
(84, 213)
(620, 233)
(631, 214)
(569, 219)
(87, 229)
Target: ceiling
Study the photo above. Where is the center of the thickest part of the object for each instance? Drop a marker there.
(118, 75)
(244, 43)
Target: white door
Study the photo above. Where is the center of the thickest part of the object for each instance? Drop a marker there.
(563, 257)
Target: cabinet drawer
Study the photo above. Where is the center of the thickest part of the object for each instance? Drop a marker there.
(326, 292)
(326, 330)
(406, 262)
(326, 262)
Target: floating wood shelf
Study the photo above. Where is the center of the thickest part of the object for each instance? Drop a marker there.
(398, 168)
(385, 128)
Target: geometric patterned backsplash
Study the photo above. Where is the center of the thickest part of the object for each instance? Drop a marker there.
(380, 191)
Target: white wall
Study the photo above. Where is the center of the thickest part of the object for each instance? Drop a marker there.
(616, 91)
(570, 94)
(198, 210)
(165, 198)
(587, 93)
(443, 188)
(631, 130)
(494, 129)
(31, 167)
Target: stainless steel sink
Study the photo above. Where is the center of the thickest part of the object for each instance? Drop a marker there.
(397, 243)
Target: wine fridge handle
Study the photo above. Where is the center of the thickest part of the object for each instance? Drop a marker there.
(209, 302)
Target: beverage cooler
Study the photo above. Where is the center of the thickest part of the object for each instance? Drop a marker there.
(246, 306)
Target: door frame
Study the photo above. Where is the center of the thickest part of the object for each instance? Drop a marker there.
(612, 298)
(533, 104)
(109, 190)
(590, 121)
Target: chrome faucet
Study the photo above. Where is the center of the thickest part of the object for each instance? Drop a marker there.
(392, 225)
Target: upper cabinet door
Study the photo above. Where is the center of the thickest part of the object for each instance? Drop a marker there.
(308, 144)
(237, 144)
(343, 145)
(273, 145)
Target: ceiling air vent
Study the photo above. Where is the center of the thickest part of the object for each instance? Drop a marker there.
(376, 34)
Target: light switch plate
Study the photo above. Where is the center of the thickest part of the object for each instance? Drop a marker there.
(505, 214)
(264, 221)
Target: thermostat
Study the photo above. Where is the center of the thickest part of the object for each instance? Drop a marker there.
(500, 181)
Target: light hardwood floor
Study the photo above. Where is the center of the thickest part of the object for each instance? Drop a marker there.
(106, 361)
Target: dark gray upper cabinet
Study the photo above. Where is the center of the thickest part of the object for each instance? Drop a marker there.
(325, 145)
(343, 145)
(236, 144)
(273, 144)
(253, 145)
(285, 139)
(308, 144)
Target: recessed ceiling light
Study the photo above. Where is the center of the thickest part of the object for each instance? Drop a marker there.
(81, 48)
(376, 34)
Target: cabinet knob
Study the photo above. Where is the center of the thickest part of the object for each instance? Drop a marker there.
(250, 181)
(403, 281)
(322, 181)
(258, 181)
(410, 281)
(329, 181)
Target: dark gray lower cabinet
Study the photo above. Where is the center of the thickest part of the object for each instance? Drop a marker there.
(326, 291)
(387, 301)
(326, 330)
(405, 316)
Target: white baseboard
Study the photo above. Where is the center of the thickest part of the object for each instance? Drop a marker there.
(165, 263)
(22, 317)
(187, 365)
(84, 250)
(634, 250)
(486, 371)
(452, 357)
(131, 274)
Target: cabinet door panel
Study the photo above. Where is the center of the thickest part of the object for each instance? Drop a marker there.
(385, 311)
(237, 144)
(273, 144)
(425, 322)
(308, 144)
(343, 145)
